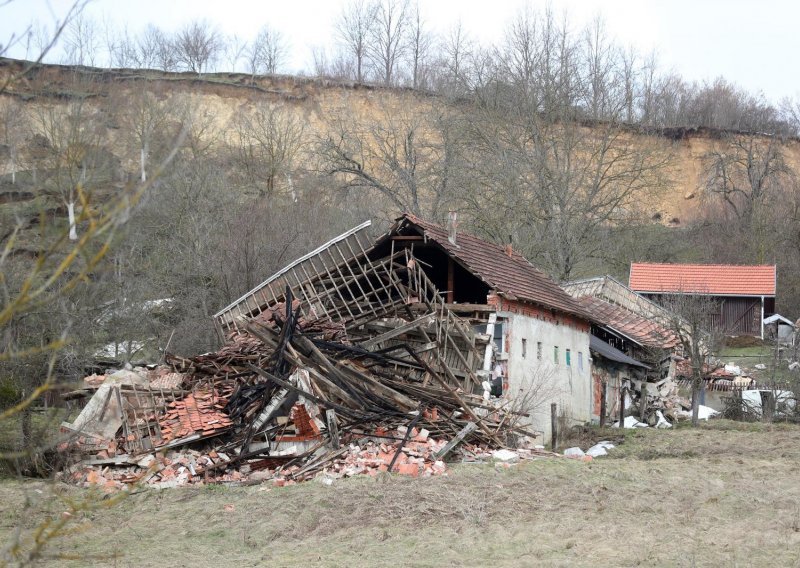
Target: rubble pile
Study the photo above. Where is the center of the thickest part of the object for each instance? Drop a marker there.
(289, 398)
(719, 376)
(664, 404)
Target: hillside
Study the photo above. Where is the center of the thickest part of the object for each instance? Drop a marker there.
(313, 102)
(259, 170)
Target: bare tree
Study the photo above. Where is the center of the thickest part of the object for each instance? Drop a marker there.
(143, 116)
(267, 53)
(600, 59)
(539, 60)
(198, 45)
(628, 79)
(337, 66)
(692, 321)
(387, 38)
(409, 157)
(419, 43)
(73, 156)
(746, 170)
(235, 51)
(199, 124)
(353, 30)
(790, 113)
(267, 141)
(456, 54)
(648, 86)
(156, 50)
(520, 55)
(81, 40)
(12, 130)
(121, 46)
(556, 188)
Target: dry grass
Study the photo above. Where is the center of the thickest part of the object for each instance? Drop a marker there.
(725, 495)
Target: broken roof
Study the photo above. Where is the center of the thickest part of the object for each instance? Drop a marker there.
(505, 271)
(710, 279)
(607, 351)
(613, 291)
(640, 330)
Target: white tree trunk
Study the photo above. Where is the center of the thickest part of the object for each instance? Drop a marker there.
(73, 229)
(291, 187)
(142, 160)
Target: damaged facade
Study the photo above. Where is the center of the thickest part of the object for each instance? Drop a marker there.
(632, 348)
(359, 357)
(540, 333)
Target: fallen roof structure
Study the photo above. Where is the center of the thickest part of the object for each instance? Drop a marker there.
(642, 331)
(611, 290)
(342, 352)
(625, 313)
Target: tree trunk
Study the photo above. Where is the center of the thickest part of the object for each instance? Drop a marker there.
(26, 426)
(142, 160)
(73, 230)
(696, 401)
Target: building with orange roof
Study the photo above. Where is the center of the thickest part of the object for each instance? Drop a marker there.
(745, 293)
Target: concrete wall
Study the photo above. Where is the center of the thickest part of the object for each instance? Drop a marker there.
(569, 386)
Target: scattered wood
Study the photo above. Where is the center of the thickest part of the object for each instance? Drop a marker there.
(320, 378)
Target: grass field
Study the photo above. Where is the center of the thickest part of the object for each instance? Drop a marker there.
(726, 494)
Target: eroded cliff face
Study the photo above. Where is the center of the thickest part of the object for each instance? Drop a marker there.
(215, 100)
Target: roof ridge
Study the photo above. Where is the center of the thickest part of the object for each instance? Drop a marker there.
(703, 264)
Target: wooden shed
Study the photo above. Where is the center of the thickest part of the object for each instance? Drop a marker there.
(745, 293)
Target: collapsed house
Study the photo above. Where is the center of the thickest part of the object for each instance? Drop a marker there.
(362, 356)
(537, 334)
(633, 348)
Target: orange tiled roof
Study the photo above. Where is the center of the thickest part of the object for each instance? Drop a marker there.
(711, 279)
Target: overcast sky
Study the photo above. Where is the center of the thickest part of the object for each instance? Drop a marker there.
(753, 43)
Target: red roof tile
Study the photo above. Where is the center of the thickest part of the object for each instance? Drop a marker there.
(712, 279)
(641, 330)
(508, 274)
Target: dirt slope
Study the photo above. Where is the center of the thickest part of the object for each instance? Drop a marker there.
(222, 95)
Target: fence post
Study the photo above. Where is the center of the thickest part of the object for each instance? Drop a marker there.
(603, 386)
(621, 405)
(553, 427)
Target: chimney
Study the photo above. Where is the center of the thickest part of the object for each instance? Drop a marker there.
(452, 226)
(509, 250)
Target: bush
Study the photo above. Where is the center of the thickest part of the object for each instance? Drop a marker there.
(9, 393)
